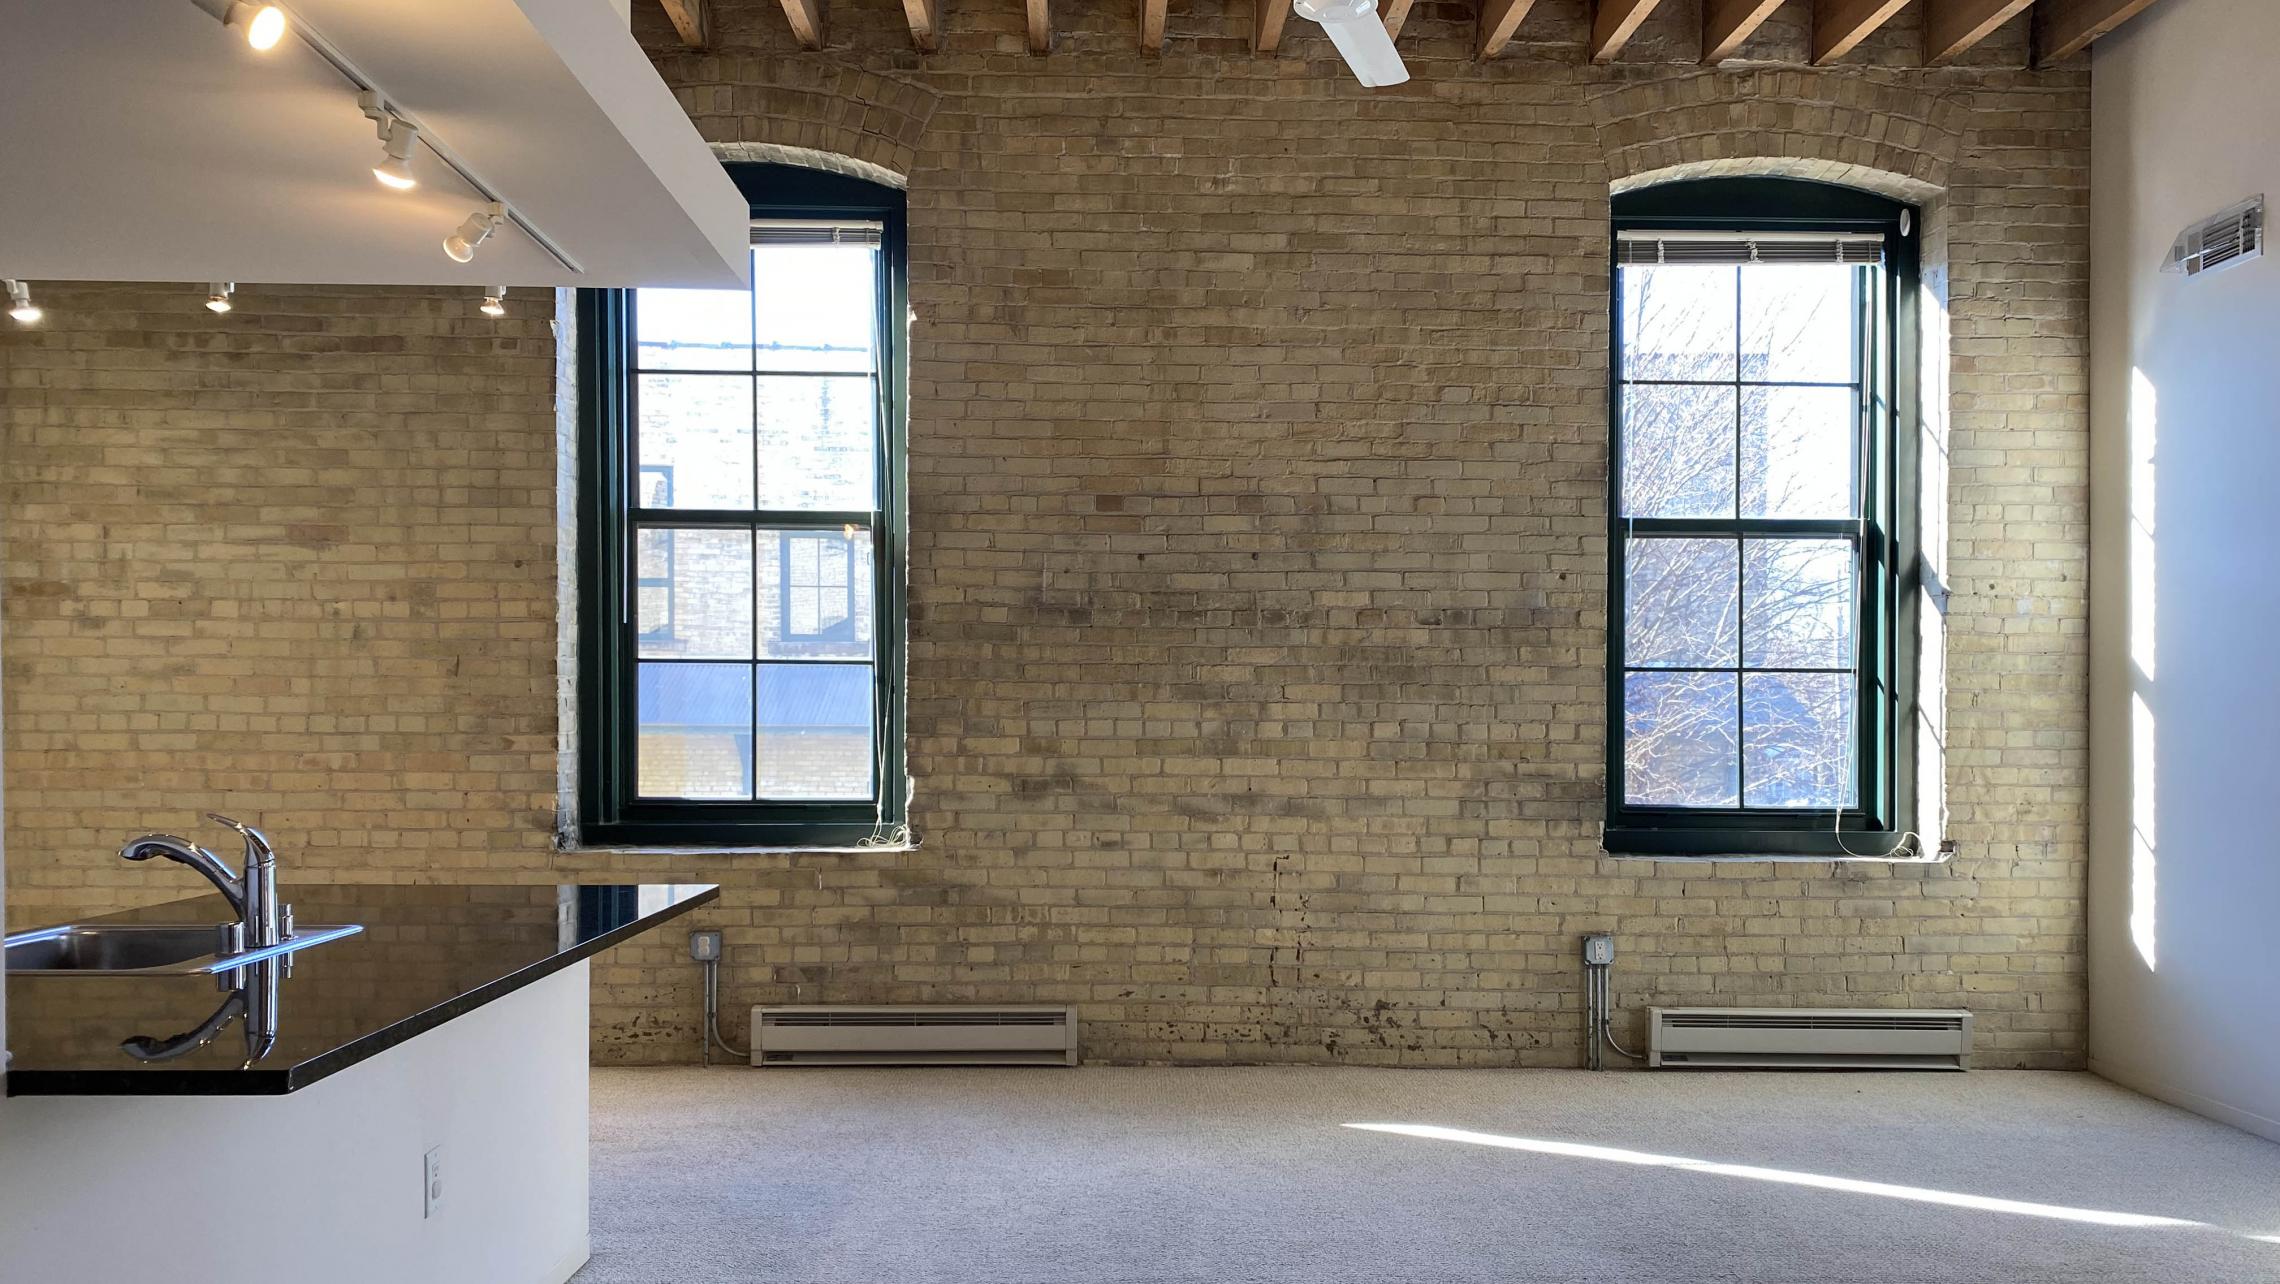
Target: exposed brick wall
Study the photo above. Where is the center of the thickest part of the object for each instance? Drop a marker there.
(1257, 477)
(294, 564)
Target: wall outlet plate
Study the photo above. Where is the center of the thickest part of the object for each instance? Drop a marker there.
(704, 947)
(1599, 949)
(431, 1181)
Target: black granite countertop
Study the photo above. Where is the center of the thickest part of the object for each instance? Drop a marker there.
(426, 954)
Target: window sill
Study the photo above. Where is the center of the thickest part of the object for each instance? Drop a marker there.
(1818, 846)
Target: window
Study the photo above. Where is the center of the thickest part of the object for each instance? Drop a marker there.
(741, 535)
(820, 589)
(1761, 521)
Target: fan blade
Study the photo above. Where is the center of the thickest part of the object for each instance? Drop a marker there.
(1362, 42)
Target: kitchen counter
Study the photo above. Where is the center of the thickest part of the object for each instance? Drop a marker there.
(426, 955)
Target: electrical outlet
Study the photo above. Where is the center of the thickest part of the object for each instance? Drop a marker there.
(431, 1182)
(1599, 949)
(704, 947)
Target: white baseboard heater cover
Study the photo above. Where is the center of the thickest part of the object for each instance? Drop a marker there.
(1810, 1038)
(923, 1034)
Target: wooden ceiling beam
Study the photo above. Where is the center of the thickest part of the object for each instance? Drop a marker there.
(1267, 19)
(1727, 23)
(1395, 13)
(1498, 20)
(806, 17)
(1152, 26)
(692, 18)
(1040, 26)
(1613, 22)
(2064, 28)
(1953, 26)
(1839, 25)
(925, 23)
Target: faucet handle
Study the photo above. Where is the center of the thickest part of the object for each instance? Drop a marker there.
(257, 848)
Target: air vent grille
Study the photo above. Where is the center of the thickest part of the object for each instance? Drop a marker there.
(1802, 1038)
(816, 1017)
(837, 1034)
(2233, 237)
(1813, 1021)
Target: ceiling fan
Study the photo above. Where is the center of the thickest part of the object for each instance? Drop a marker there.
(1354, 26)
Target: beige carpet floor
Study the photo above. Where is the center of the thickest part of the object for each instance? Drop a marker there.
(1229, 1176)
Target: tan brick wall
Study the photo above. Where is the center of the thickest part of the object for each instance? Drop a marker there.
(1257, 477)
(295, 563)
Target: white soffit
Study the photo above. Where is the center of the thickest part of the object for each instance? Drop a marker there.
(146, 142)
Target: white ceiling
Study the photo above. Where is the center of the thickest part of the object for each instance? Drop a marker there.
(145, 142)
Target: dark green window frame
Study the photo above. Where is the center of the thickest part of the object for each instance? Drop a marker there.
(610, 813)
(1876, 827)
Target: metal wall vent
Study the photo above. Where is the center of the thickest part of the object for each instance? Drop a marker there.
(811, 1018)
(914, 1034)
(1805, 1038)
(2233, 237)
(1743, 1020)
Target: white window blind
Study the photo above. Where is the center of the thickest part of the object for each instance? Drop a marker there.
(1726, 249)
(807, 232)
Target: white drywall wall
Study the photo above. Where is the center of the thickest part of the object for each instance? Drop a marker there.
(2184, 926)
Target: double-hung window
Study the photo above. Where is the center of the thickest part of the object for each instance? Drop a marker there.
(742, 587)
(1761, 518)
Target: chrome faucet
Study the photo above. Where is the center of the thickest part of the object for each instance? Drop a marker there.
(253, 895)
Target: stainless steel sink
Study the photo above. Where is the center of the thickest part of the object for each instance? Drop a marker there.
(113, 948)
(147, 949)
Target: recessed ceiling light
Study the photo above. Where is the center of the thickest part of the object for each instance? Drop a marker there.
(460, 245)
(218, 296)
(495, 301)
(263, 24)
(20, 305)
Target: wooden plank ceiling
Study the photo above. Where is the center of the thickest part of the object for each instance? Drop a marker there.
(2062, 28)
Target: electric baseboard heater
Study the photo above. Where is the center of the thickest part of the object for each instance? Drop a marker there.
(1809, 1038)
(927, 1034)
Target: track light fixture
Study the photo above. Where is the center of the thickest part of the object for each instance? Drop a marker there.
(218, 296)
(395, 168)
(495, 301)
(263, 24)
(20, 305)
(460, 245)
(397, 138)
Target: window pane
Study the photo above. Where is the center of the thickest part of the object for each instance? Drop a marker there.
(695, 594)
(815, 731)
(1678, 323)
(1797, 737)
(816, 306)
(816, 590)
(692, 329)
(695, 442)
(1797, 603)
(817, 444)
(1797, 323)
(1678, 740)
(1797, 452)
(695, 737)
(1678, 451)
(1681, 598)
